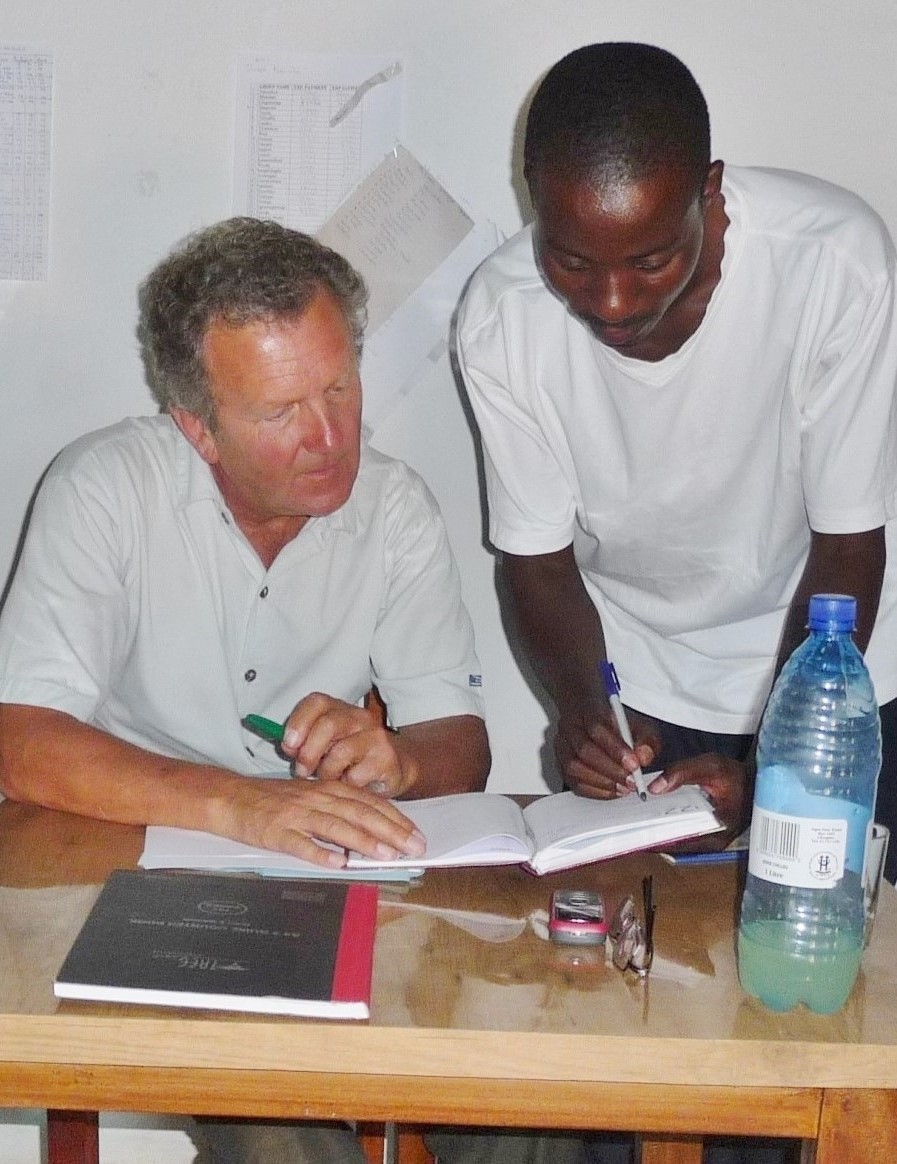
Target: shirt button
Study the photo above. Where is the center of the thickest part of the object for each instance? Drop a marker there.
(249, 675)
(264, 592)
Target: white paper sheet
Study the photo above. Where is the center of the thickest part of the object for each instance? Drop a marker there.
(416, 247)
(395, 229)
(308, 129)
(26, 94)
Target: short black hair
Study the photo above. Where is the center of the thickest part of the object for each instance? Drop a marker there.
(617, 112)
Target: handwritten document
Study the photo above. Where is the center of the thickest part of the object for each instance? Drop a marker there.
(415, 246)
(396, 229)
(26, 93)
(307, 131)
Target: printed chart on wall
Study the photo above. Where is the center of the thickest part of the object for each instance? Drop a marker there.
(318, 149)
(26, 94)
(308, 129)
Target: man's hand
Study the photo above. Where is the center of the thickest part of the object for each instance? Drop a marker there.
(333, 740)
(292, 816)
(593, 758)
(728, 783)
(50, 758)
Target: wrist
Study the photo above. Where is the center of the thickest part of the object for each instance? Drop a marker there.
(406, 763)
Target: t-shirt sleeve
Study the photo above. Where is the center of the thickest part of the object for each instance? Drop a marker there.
(849, 412)
(532, 502)
(423, 656)
(65, 618)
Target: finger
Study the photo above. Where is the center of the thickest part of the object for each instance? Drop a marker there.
(357, 820)
(336, 724)
(301, 720)
(359, 805)
(606, 739)
(593, 758)
(586, 781)
(645, 754)
(365, 759)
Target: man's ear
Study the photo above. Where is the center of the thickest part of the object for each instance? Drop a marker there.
(197, 433)
(712, 183)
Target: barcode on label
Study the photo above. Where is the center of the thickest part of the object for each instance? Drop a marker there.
(778, 838)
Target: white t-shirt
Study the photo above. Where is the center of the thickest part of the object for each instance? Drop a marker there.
(140, 607)
(689, 486)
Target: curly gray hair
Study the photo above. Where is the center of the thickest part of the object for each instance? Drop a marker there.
(237, 271)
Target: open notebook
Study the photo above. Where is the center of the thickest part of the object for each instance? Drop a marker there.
(554, 832)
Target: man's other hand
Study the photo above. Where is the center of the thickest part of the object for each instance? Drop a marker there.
(293, 816)
(727, 782)
(333, 740)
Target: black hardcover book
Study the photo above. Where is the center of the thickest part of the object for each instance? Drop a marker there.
(225, 942)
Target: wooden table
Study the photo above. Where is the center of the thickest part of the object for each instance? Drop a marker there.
(476, 1018)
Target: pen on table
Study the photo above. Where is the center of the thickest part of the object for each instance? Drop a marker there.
(612, 687)
(717, 858)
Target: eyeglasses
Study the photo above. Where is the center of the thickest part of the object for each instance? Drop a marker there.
(632, 938)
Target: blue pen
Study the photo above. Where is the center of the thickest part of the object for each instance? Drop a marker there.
(718, 858)
(612, 687)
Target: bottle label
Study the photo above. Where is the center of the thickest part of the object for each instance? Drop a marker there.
(795, 850)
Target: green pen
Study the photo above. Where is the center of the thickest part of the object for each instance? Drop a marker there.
(268, 729)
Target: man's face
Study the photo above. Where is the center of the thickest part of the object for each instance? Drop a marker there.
(286, 440)
(622, 255)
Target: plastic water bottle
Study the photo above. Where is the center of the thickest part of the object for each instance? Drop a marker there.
(819, 753)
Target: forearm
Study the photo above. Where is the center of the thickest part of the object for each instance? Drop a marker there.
(52, 759)
(558, 625)
(442, 756)
(838, 564)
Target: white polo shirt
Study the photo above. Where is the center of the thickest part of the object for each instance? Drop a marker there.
(140, 607)
(689, 486)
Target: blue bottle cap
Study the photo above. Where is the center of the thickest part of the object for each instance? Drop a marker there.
(833, 612)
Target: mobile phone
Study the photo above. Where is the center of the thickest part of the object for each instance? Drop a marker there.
(577, 917)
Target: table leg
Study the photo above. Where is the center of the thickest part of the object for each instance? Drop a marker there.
(73, 1137)
(857, 1127)
(659, 1149)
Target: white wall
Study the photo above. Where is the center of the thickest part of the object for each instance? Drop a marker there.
(142, 154)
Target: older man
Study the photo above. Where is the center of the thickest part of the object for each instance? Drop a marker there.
(244, 551)
(241, 552)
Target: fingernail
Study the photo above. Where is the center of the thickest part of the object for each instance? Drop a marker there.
(336, 860)
(661, 784)
(416, 844)
(300, 770)
(386, 851)
(291, 738)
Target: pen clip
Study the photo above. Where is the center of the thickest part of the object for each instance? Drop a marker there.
(609, 675)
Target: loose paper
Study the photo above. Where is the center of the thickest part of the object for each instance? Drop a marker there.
(26, 93)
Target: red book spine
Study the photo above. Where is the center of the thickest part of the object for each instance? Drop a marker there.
(355, 953)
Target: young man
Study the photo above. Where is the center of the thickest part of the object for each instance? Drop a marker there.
(684, 379)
